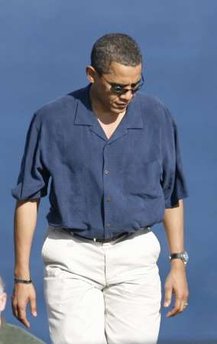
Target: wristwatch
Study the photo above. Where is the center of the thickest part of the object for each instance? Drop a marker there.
(181, 255)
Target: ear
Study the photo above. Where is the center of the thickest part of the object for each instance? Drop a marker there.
(91, 74)
(3, 300)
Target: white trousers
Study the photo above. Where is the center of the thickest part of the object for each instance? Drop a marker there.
(98, 293)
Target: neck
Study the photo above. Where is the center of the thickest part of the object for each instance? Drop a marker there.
(107, 117)
(102, 114)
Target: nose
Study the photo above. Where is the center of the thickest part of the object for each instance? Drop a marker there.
(127, 95)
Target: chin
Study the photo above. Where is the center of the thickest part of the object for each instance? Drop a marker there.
(118, 109)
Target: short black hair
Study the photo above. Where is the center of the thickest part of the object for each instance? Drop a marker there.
(115, 47)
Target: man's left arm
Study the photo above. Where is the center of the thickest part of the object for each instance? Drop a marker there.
(176, 282)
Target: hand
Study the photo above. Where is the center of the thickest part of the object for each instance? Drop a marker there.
(176, 283)
(23, 295)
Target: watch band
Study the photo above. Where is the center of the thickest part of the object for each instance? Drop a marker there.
(22, 281)
(181, 255)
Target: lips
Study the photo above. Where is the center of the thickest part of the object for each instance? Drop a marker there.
(122, 106)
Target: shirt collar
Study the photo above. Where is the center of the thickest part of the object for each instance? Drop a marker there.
(133, 118)
(85, 116)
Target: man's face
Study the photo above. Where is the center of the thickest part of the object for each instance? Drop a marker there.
(113, 91)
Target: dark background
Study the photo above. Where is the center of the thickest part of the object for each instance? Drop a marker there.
(44, 48)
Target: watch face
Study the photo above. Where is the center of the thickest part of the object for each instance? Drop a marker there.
(185, 257)
(181, 255)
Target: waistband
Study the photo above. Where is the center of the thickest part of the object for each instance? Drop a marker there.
(121, 236)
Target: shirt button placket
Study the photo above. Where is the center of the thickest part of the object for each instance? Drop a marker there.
(107, 197)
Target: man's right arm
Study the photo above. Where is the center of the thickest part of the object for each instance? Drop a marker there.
(24, 226)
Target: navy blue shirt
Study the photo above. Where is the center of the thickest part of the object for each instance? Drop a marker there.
(102, 187)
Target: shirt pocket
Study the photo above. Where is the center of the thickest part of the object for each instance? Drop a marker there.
(144, 179)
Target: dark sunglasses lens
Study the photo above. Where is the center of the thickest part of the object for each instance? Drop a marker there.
(118, 89)
(138, 86)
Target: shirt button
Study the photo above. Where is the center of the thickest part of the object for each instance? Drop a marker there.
(108, 199)
(106, 171)
(108, 225)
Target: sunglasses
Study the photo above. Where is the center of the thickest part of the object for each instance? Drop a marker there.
(119, 89)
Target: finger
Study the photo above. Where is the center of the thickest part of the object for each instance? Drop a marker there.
(33, 307)
(179, 307)
(184, 305)
(168, 296)
(14, 306)
(176, 309)
(22, 316)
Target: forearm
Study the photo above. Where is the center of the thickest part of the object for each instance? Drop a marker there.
(24, 227)
(174, 227)
(176, 282)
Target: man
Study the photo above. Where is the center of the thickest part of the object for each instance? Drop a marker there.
(10, 334)
(112, 156)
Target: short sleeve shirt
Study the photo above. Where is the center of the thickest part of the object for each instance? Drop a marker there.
(97, 186)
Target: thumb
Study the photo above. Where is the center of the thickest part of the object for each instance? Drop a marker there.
(33, 307)
(168, 296)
